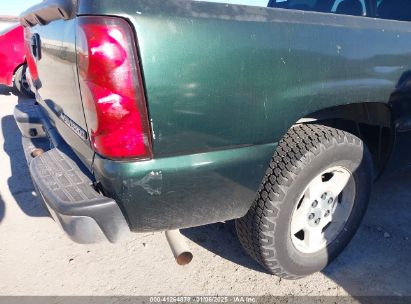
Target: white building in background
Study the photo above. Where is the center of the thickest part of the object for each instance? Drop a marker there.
(6, 21)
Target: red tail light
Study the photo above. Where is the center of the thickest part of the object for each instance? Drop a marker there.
(112, 88)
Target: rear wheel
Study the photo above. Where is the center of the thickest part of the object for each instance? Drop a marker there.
(20, 82)
(311, 202)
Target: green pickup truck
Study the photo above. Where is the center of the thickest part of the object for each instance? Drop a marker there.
(158, 115)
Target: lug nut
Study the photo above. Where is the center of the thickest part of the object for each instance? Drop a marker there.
(317, 221)
(311, 216)
(327, 213)
(330, 200)
(314, 204)
(324, 196)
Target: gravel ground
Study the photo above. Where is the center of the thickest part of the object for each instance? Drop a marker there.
(36, 258)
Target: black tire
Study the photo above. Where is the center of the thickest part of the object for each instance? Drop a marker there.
(20, 82)
(304, 152)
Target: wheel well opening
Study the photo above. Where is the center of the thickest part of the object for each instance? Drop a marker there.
(371, 122)
(17, 67)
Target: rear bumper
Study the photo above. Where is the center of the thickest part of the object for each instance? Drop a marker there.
(66, 187)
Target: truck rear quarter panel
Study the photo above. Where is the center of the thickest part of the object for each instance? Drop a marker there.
(223, 84)
(222, 75)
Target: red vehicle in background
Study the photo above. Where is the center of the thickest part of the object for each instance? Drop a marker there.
(13, 65)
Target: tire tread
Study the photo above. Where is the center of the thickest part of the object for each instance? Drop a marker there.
(256, 229)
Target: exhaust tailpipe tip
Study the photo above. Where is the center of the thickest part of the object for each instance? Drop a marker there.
(179, 247)
(36, 152)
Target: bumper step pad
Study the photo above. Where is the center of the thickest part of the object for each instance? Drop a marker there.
(85, 215)
(65, 185)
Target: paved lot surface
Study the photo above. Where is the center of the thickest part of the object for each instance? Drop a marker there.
(36, 258)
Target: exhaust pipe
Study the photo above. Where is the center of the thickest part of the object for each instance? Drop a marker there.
(179, 247)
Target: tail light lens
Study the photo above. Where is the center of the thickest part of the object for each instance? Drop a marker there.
(112, 88)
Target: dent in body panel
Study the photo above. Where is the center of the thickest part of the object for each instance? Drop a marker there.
(151, 183)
